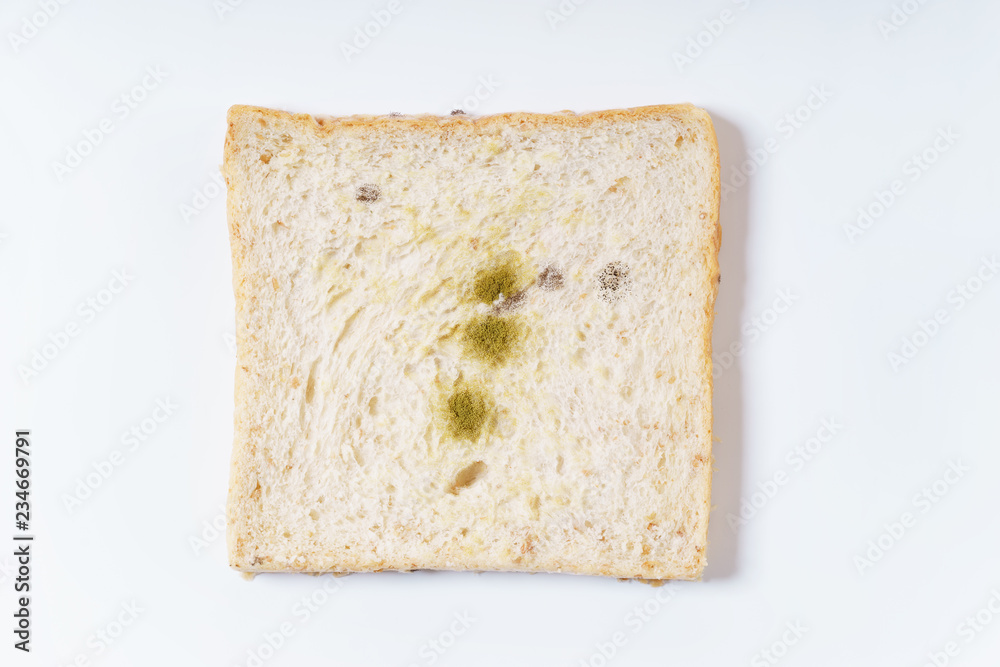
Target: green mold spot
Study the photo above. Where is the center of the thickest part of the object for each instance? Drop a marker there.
(493, 339)
(466, 414)
(503, 279)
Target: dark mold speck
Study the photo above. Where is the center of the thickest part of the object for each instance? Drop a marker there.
(613, 281)
(550, 279)
(368, 193)
(512, 302)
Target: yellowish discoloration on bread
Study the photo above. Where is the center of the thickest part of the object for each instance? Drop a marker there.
(356, 242)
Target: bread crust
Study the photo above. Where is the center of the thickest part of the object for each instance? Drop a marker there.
(243, 485)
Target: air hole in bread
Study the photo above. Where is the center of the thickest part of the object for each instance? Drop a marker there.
(680, 140)
(618, 183)
(311, 384)
(368, 192)
(467, 476)
(314, 515)
(265, 158)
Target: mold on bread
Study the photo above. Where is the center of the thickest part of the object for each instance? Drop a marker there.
(473, 343)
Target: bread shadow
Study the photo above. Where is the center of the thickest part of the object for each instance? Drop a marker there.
(727, 476)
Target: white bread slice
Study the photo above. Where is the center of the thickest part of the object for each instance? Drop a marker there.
(391, 414)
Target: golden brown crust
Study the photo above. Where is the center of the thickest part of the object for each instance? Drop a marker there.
(240, 473)
(239, 114)
(714, 231)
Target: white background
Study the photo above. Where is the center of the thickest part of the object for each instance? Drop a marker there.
(854, 297)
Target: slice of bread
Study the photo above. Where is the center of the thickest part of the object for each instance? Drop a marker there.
(473, 343)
